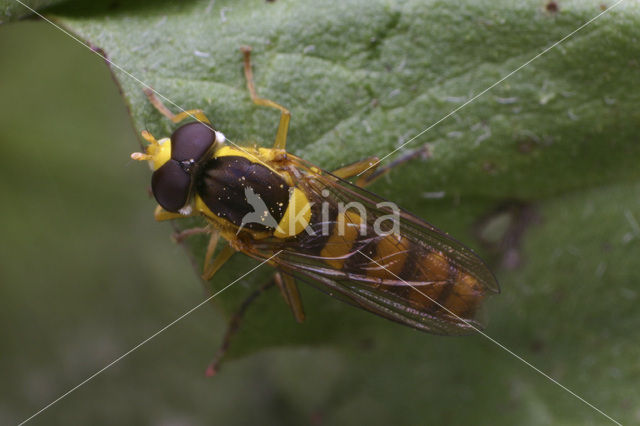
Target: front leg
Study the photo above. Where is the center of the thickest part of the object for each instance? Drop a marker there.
(178, 237)
(198, 114)
(211, 264)
(283, 127)
(161, 214)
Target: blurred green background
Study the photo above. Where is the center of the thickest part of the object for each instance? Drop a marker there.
(86, 274)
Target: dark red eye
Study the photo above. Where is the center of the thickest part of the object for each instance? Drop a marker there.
(171, 186)
(192, 141)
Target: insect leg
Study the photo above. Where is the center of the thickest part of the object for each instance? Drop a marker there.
(375, 173)
(212, 266)
(185, 233)
(289, 290)
(234, 325)
(198, 114)
(283, 127)
(211, 247)
(368, 166)
(161, 214)
(370, 172)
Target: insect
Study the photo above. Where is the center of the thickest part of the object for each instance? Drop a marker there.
(272, 205)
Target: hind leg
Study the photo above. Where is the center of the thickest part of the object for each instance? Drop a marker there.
(368, 170)
(289, 290)
(234, 326)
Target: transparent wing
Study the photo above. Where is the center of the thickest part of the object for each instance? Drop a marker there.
(411, 273)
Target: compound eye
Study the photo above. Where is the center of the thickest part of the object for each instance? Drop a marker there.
(170, 185)
(191, 141)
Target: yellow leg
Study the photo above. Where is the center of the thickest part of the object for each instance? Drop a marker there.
(198, 114)
(211, 267)
(289, 290)
(369, 171)
(368, 165)
(283, 127)
(211, 248)
(161, 214)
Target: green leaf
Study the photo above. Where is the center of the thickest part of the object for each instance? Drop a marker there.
(11, 10)
(363, 77)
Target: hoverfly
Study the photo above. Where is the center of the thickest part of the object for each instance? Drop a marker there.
(411, 273)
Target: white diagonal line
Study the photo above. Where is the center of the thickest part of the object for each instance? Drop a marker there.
(142, 83)
(143, 342)
(195, 307)
(495, 84)
(265, 261)
(500, 345)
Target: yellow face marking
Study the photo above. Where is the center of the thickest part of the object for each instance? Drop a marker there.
(156, 153)
(347, 223)
(161, 153)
